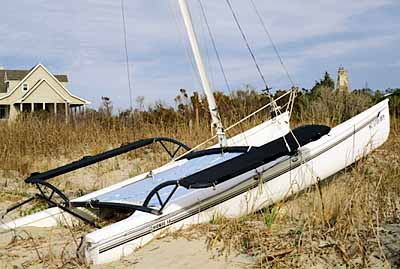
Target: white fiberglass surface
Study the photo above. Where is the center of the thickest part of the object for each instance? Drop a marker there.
(137, 192)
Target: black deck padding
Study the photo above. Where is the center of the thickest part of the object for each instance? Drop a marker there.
(254, 158)
(200, 153)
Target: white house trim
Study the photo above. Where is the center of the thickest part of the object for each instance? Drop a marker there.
(20, 83)
(30, 73)
(79, 98)
(37, 85)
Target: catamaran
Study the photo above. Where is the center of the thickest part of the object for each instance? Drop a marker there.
(236, 176)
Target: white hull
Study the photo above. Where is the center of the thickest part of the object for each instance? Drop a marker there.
(345, 144)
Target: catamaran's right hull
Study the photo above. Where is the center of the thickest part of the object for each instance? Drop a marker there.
(344, 145)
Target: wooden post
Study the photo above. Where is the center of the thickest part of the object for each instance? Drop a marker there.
(66, 109)
(20, 107)
(44, 106)
(55, 108)
(32, 107)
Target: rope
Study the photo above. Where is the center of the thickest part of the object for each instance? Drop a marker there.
(291, 100)
(126, 54)
(272, 43)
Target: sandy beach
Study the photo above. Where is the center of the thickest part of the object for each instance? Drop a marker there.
(55, 248)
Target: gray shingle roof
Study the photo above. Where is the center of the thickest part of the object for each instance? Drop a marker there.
(19, 75)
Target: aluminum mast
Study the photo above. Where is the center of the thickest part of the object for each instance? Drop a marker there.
(215, 118)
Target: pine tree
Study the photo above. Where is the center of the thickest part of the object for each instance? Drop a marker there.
(326, 82)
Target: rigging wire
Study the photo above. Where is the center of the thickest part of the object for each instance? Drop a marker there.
(218, 58)
(275, 108)
(272, 42)
(214, 45)
(294, 89)
(189, 58)
(126, 54)
(206, 48)
(248, 46)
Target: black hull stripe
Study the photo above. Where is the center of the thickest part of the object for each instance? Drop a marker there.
(176, 217)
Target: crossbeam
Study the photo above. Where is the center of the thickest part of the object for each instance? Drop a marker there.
(89, 160)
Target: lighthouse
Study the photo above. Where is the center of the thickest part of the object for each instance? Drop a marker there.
(342, 84)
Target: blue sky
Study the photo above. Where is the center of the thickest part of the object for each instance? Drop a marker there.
(84, 39)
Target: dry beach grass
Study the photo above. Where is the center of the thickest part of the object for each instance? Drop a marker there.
(350, 220)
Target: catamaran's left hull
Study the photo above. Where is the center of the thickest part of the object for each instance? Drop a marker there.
(345, 144)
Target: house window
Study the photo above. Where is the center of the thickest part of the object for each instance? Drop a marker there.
(25, 87)
(4, 112)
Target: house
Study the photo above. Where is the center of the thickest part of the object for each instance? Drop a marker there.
(36, 89)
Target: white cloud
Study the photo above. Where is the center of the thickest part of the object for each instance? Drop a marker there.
(335, 48)
(395, 65)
